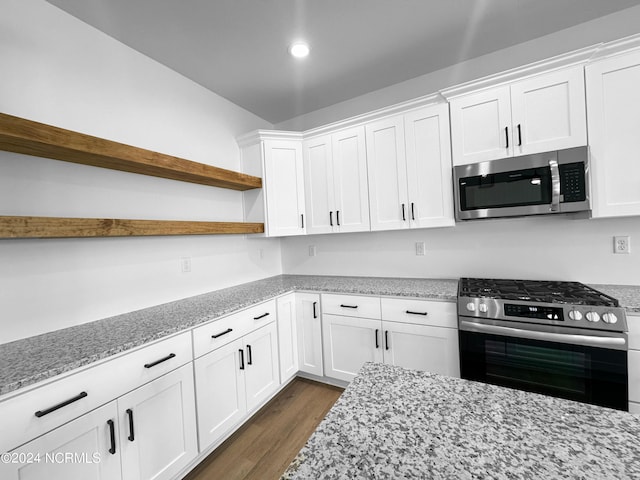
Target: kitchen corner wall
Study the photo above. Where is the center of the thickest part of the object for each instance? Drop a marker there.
(535, 247)
(60, 71)
(548, 248)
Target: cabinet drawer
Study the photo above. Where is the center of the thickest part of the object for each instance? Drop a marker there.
(78, 393)
(224, 330)
(351, 305)
(421, 312)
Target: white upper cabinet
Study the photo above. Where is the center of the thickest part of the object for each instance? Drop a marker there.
(335, 173)
(277, 158)
(350, 180)
(318, 184)
(387, 167)
(480, 124)
(284, 187)
(548, 112)
(409, 160)
(428, 151)
(539, 114)
(613, 102)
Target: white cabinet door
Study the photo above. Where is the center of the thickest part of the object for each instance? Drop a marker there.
(428, 153)
(548, 112)
(158, 427)
(261, 364)
(481, 126)
(87, 439)
(349, 342)
(613, 97)
(220, 392)
(309, 328)
(284, 187)
(387, 173)
(350, 180)
(422, 347)
(287, 337)
(318, 185)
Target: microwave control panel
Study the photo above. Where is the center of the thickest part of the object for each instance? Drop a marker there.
(572, 184)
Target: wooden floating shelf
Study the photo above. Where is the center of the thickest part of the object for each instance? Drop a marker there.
(38, 139)
(57, 227)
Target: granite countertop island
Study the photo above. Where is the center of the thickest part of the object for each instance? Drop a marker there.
(395, 423)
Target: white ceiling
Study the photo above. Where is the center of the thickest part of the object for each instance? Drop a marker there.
(238, 48)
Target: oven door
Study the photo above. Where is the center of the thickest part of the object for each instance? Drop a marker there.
(588, 373)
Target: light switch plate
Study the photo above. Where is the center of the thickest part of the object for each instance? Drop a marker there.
(420, 248)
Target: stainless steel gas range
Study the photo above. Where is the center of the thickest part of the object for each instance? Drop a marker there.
(557, 338)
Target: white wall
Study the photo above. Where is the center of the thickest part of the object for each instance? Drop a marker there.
(58, 70)
(611, 27)
(549, 247)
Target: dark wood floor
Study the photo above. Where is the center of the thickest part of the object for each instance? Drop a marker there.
(264, 446)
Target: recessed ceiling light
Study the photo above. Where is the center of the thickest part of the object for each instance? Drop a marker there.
(299, 49)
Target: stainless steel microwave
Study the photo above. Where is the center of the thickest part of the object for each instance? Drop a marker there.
(542, 183)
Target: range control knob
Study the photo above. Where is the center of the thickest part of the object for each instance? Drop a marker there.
(609, 318)
(471, 307)
(575, 315)
(483, 308)
(593, 316)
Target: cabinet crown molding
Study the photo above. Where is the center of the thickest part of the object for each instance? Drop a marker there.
(617, 47)
(396, 109)
(576, 57)
(257, 136)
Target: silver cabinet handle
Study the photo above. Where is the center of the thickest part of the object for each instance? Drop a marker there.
(586, 340)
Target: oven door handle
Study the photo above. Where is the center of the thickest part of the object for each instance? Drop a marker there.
(555, 185)
(618, 343)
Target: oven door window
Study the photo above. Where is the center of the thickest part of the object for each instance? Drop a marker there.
(586, 374)
(508, 189)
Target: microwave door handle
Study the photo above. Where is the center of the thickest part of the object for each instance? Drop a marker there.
(555, 185)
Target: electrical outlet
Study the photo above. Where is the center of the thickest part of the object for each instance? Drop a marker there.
(312, 250)
(185, 264)
(420, 248)
(261, 253)
(622, 244)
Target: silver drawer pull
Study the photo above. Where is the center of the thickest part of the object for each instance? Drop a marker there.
(42, 413)
(409, 312)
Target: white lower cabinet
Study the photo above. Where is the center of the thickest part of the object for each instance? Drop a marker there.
(79, 450)
(349, 342)
(158, 427)
(287, 336)
(234, 379)
(422, 347)
(220, 391)
(415, 334)
(633, 357)
(261, 370)
(309, 332)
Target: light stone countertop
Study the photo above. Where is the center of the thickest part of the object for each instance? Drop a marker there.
(394, 423)
(34, 359)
